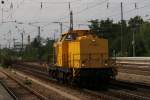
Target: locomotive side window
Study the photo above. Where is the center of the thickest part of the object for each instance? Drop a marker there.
(69, 37)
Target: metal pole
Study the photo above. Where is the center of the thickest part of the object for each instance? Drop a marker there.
(22, 41)
(9, 38)
(61, 28)
(22, 45)
(2, 2)
(39, 41)
(14, 40)
(2, 14)
(121, 29)
(39, 33)
(28, 39)
(0, 50)
(71, 22)
(54, 51)
(71, 19)
(133, 43)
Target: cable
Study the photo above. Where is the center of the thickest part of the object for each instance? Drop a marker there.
(85, 9)
(51, 2)
(128, 11)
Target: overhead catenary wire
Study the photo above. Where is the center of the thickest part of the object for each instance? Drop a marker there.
(80, 11)
(90, 7)
(116, 14)
(94, 6)
(86, 9)
(98, 4)
(54, 2)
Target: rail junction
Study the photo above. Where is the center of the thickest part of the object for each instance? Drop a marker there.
(116, 90)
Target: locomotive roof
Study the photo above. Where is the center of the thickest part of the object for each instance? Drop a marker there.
(78, 31)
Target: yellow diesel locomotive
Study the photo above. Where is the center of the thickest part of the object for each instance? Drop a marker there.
(80, 57)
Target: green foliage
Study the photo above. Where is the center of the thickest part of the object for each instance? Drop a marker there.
(135, 22)
(7, 57)
(38, 51)
(28, 82)
(42, 49)
(112, 31)
(36, 43)
(143, 40)
(109, 30)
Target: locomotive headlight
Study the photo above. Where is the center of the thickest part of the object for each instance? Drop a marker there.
(83, 65)
(93, 40)
(106, 63)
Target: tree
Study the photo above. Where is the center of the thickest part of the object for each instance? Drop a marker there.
(144, 37)
(95, 27)
(135, 23)
(109, 30)
(112, 31)
(36, 42)
(39, 50)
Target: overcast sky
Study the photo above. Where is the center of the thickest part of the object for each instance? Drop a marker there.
(30, 11)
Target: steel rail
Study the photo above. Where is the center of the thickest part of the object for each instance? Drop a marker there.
(128, 95)
(9, 91)
(43, 75)
(121, 94)
(25, 87)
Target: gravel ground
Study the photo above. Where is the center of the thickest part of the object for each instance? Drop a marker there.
(142, 71)
(132, 73)
(133, 77)
(42, 88)
(53, 91)
(18, 90)
(4, 95)
(2, 76)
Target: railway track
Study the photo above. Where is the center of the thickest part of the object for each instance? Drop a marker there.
(127, 69)
(126, 91)
(18, 90)
(44, 76)
(133, 65)
(8, 90)
(117, 90)
(130, 91)
(133, 62)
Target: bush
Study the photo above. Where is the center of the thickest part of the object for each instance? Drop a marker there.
(6, 62)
